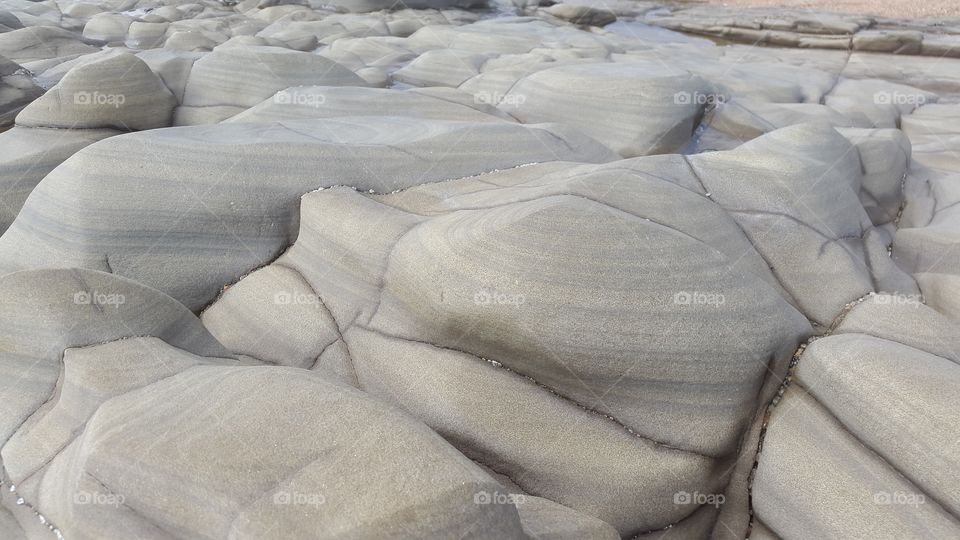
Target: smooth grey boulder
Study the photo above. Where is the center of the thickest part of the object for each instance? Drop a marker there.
(44, 312)
(907, 398)
(9, 22)
(926, 241)
(634, 108)
(441, 67)
(29, 155)
(233, 191)
(118, 91)
(173, 67)
(849, 492)
(122, 372)
(107, 27)
(454, 304)
(866, 425)
(240, 77)
(938, 75)
(332, 102)
(41, 43)
(875, 102)
(147, 35)
(130, 443)
(299, 331)
(796, 194)
(189, 41)
(904, 319)
(745, 119)
(885, 159)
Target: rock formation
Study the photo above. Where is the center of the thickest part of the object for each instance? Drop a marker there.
(278, 269)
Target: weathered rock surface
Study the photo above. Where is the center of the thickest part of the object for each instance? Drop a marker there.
(235, 78)
(118, 91)
(386, 313)
(41, 43)
(240, 211)
(866, 427)
(635, 108)
(17, 89)
(517, 271)
(802, 28)
(31, 153)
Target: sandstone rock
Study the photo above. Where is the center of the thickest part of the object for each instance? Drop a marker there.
(107, 27)
(245, 202)
(9, 22)
(885, 156)
(241, 77)
(41, 43)
(636, 109)
(896, 42)
(837, 235)
(47, 311)
(173, 68)
(425, 314)
(579, 14)
(118, 91)
(398, 309)
(146, 35)
(30, 154)
(867, 454)
(331, 102)
(442, 67)
(189, 41)
(17, 89)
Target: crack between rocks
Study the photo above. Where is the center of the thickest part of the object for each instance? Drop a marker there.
(823, 98)
(787, 379)
(325, 347)
(792, 300)
(336, 323)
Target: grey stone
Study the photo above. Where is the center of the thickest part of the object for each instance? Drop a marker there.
(31, 153)
(117, 91)
(239, 184)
